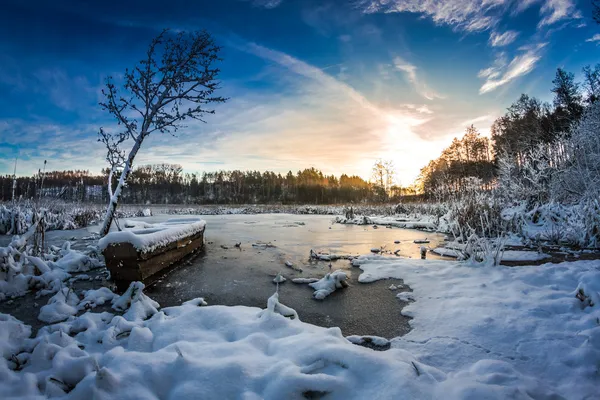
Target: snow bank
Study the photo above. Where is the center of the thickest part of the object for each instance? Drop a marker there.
(424, 222)
(147, 240)
(507, 255)
(220, 352)
(501, 321)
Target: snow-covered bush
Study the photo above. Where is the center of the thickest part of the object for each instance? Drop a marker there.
(21, 272)
(476, 212)
(529, 179)
(580, 177)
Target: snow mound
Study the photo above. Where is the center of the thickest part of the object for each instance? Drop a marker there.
(329, 284)
(97, 297)
(138, 305)
(60, 306)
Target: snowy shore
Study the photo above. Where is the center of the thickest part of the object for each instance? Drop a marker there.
(478, 332)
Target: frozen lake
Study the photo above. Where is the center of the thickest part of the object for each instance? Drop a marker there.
(234, 276)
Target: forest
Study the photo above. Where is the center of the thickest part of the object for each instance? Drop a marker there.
(531, 144)
(168, 184)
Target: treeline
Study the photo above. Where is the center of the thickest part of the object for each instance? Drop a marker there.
(168, 184)
(529, 126)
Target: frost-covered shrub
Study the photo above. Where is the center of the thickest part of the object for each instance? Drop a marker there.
(580, 176)
(529, 179)
(476, 212)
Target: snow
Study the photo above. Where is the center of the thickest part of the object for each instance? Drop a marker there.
(305, 280)
(75, 261)
(150, 238)
(329, 257)
(60, 306)
(137, 304)
(97, 297)
(328, 284)
(520, 255)
(405, 296)
(445, 252)
(507, 255)
(21, 272)
(279, 279)
(423, 223)
(376, 340)
(500, 321)
(231, 352)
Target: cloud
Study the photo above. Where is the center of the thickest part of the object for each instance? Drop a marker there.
(307, 118)
(500, 74)
(265, 3)
(467, 15)
(557, 10)
(502, 39)
(65, 91)
(478, 120)
(473, 15)
(410, 72)
(595, 38)
(312, 119)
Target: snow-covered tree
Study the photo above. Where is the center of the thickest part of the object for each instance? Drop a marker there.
(176, 81)
(581, 176)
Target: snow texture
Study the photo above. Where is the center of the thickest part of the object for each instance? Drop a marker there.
(20, 272)
(305, 280)
(279, 279)
(148, 239)
(507, 255)
(60, 306)
(501, 323)
(221, 352)
(329, 284)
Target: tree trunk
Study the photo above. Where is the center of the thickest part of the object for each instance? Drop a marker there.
(114, 198)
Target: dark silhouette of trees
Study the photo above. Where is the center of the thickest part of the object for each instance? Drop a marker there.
(168, 184)
(449, 174)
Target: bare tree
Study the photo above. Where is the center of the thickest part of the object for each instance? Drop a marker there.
(176, 81)
(383, 176)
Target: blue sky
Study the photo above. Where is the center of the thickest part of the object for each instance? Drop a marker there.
(329, 84)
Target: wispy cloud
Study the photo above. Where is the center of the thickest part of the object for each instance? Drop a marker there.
(503, 39)
(265, 3)
(473, 15)
(595, 38)
(557, 10)
(410, 71)
(500, 74)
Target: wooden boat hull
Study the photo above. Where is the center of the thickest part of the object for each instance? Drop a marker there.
(128, 264)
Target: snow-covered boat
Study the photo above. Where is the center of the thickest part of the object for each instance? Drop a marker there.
(140, 254)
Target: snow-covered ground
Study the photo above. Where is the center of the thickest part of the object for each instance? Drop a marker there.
(477, 332)
(505, 348)
(534, 321)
